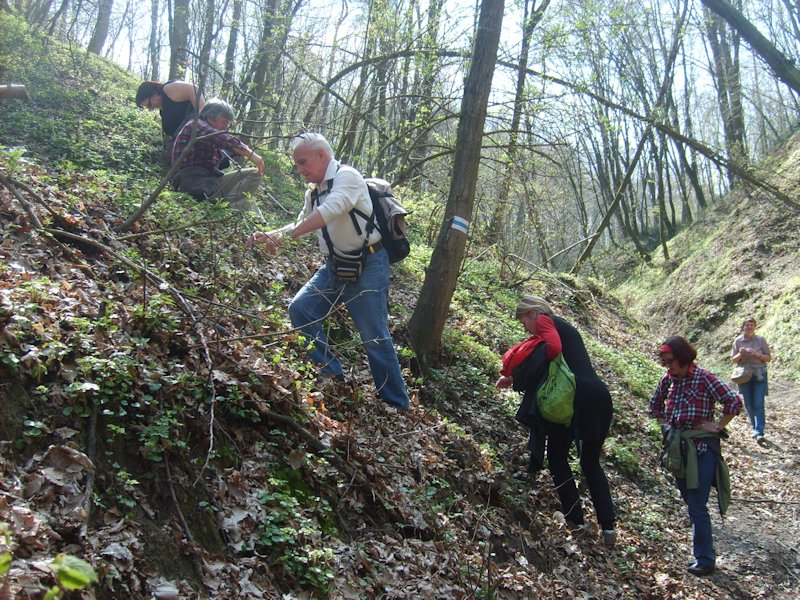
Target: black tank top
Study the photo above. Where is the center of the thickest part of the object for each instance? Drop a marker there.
(174, 114)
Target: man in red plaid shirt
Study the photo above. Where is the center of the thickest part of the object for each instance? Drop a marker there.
(199, 174)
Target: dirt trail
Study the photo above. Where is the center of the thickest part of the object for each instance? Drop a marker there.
(758, 542)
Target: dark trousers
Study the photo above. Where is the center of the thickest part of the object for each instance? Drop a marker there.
(559, 441)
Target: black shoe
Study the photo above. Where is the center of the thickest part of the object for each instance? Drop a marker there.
(700, 570)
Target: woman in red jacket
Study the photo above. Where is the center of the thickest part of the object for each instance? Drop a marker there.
(590, 423)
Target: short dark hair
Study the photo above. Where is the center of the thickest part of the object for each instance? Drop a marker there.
(682, 350)
(749, 319)
(148, 89)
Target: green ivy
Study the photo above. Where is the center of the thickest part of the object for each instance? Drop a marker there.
(291, 530)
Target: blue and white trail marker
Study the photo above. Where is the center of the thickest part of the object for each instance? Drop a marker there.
(460, 224)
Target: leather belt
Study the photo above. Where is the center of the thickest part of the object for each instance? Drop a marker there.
(375, 247)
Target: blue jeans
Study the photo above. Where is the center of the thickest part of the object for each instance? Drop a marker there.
(754, 392)
(696, 501)
(367, 302)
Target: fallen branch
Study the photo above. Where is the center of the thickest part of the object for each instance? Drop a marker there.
(335, 306)
(88, 488)
(141, 234)
(25, 187)
(26, 206)
(137, 214)
(176, 165)
(764, 501)
(198, 567)
(11, 185)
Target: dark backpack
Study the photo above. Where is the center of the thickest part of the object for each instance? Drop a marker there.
(389, 216)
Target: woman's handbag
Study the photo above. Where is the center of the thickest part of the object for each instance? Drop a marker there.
(555, 398)
(741, 374)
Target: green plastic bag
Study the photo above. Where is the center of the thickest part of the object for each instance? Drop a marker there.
(556, 396)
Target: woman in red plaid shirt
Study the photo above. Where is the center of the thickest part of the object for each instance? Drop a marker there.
(683, 403)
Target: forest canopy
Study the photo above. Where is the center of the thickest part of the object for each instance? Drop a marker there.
(574, 92)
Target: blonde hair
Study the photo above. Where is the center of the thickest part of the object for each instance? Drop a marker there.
(532, 303)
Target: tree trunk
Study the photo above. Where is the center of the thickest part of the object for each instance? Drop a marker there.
(427, 322)
(154, 47)
(179, 40)
(209, 34)
(727, 81)
(529, 24)
(260, 85)
(233, 38)
(782, 66)
(425, 79)
(101, 27)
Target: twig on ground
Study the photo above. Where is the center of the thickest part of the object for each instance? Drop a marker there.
(26, 206)
(141, 234)
(91, 452)
(31, 192)
(34, 220)
(763, 500)
(137, 214)
(198, 567)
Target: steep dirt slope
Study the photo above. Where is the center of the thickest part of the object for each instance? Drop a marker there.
(163, 425)
(308, 489)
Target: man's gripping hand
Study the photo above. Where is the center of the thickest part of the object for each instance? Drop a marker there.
(270, 239)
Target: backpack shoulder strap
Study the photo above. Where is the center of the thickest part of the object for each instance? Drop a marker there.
(315, 202)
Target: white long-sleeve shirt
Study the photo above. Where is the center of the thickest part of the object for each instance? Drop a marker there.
(347, 192)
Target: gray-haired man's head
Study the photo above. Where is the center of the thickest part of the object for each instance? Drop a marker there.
(217, 111)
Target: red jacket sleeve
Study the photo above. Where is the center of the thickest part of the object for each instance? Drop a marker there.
(546, 329)
(516, 355)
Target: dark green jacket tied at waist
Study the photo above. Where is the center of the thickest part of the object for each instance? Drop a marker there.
(679, 457)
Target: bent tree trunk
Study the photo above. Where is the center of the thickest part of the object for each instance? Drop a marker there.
(782, 66)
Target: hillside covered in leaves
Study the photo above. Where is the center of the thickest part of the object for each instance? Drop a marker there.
(158, 419)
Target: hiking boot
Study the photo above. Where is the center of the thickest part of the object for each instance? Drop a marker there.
(574, 527)
(609, 537)
(760, 440)
(700, 570)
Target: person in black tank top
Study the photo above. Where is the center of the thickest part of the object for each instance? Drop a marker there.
(176, 101)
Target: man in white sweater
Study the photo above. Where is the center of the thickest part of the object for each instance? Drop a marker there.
(334, 191)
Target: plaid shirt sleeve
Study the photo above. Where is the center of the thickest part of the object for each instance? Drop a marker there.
(226, 140)
(657, 410)
(204, 153)
(181, 141)
(730, 400)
